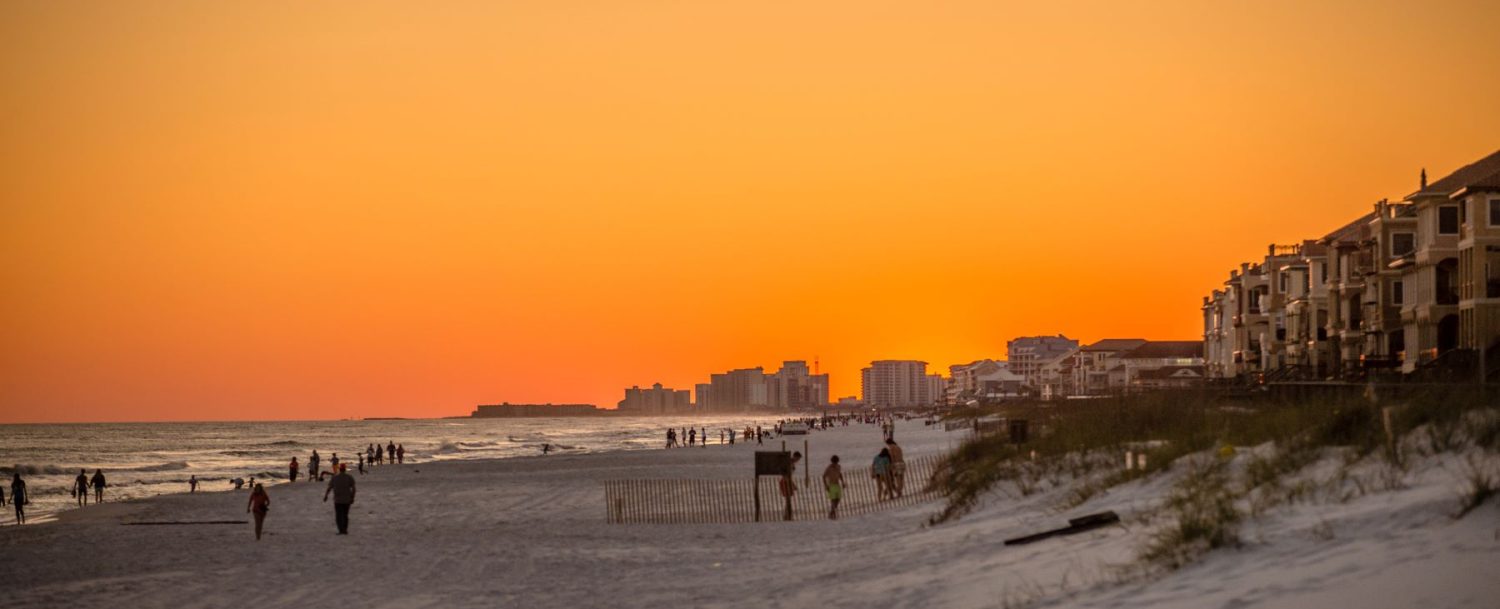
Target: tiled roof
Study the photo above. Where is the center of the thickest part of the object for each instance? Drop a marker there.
(1166, 372)
(1166, 348)
(1488, 183)
(1351, 231)
(1116, 344)
(1461, 178)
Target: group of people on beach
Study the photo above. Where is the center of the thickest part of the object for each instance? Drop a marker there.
(374, 454)
(84, 482)
(341, 486)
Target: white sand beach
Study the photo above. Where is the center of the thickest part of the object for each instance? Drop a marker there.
(532, 532)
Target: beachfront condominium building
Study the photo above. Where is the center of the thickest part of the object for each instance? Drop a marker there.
(656, 400)
(1399, 287)
(703, 397)
(795, 386)
(1093, 364)
(895, 384)
(937, 388)
(738, 390)
(981, 382)
(1033, 356)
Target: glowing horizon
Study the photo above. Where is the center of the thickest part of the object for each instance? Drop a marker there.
(272, 212)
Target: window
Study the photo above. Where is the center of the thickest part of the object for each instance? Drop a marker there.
(1448, 220)
(1494, 212)
(1398, 292)
(1403, 244)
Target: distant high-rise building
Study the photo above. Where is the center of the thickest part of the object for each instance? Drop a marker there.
(656, 400)
(738, 390)
(895, 383)
(703, 392)
(794, 386)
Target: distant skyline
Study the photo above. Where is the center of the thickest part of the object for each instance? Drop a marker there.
(246, 211)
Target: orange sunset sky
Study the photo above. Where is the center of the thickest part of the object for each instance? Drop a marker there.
(266, 210)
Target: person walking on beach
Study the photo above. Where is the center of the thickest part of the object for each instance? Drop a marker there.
(193, 484)
(81, 488)
(833, 482)
(401, 453)
(898, 467)
(260, 503)
(313, 473)
(291, 470)
(342, 487)
(19, 498)
(98, 483)
(880, 470)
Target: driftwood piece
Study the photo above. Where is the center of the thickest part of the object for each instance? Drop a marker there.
(1075, 525)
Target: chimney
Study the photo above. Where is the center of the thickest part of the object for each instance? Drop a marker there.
(1424, 178)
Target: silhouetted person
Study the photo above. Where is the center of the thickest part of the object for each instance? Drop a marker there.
(390, 452)
(370, 454)
(98, 482)
(546, 448)
(260, 503)
(833, 482)
(342, 487)
(333, 463)
(19, 498)
(898, 467)
(192, 484)
(81, 488)
(313, 473)
(238, 483)
(291, 469)
(379, 454)
(401, 453)
(361, 462)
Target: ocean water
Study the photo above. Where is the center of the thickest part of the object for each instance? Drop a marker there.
(149, 459)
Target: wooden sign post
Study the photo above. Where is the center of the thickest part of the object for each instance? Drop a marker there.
(772, 463)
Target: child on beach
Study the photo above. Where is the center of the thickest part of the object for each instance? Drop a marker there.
(880, 470)
(292, 469)
(260, 503)
(833, 481)
(361, 462)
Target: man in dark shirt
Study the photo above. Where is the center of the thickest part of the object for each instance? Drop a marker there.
(342, 488)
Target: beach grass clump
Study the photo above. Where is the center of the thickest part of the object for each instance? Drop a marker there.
(1479, 487)
(1202, 515)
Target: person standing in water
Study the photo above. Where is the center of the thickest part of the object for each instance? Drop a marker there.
(291, 470)
(260, 503)
(81, 488)
(342, 488)
(833, 482)
(19, 498)
(98, 482)
(312, 467)
(193, 484)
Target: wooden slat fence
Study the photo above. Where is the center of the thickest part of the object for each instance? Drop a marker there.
(675, 501)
